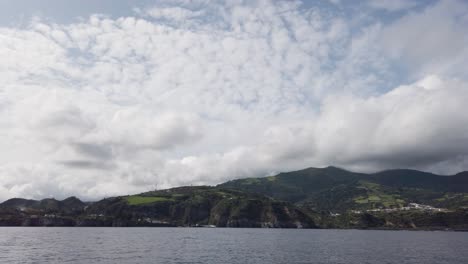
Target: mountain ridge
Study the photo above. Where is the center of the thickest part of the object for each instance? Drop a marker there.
(329, 197)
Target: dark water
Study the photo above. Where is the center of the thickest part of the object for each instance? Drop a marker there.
(217, 245)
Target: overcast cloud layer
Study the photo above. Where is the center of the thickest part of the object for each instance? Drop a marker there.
(200, 92)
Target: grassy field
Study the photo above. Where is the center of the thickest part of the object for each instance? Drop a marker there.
(138, 200)
(377, 197)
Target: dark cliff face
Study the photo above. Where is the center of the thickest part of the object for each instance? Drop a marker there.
(198, 206)
(310, 198)
(184, 206)
(416, 220)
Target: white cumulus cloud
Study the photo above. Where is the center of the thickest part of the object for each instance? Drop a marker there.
(199, 92)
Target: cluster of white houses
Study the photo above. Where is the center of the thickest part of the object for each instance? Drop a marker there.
(411, 206)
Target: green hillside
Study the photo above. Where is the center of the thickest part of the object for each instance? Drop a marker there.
(311, 198)
(202, 205)
(183, 206)
(339, 190)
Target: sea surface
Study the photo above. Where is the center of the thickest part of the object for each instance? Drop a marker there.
(224, 245)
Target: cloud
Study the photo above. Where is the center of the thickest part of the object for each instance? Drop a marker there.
(199, 92)
(83, 164)
(392, 5)
(440, 49)
(414, 125)
(101, 152)
(173, 13)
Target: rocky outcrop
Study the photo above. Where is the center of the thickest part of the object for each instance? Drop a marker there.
(185, 206)
(203, 206)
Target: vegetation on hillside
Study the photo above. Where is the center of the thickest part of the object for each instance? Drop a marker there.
(338, 190)
(310, 198)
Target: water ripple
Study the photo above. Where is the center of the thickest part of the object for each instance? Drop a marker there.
(209, 246)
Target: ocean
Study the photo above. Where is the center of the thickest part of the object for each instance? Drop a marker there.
(228, 245)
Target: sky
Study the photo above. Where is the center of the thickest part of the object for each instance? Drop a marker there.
(104, 98)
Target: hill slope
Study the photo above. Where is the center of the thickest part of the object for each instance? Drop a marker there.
(183, 206)
(192, 206)
(312, 198)
(335, 189)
